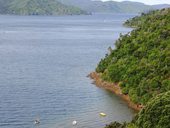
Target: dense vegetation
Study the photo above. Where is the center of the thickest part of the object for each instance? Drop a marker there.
(140, 63)
(141, 60)
(109, 6)
(37, 7)
(156, 114)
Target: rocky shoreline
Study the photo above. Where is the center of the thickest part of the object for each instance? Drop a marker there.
(113, 87)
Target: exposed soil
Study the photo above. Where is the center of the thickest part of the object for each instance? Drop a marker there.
(113, 87)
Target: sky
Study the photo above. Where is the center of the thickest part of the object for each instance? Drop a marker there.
(150, 2)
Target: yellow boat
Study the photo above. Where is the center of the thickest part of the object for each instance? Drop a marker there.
(103, 114)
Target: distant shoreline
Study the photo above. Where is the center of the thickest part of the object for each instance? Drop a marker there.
(1, 14)
(113, 87)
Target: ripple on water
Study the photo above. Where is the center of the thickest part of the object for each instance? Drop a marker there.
(43, 69)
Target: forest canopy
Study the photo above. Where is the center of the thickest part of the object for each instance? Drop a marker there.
(140, 63)
(156, 114)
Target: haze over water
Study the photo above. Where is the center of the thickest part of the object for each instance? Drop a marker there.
(44, 62)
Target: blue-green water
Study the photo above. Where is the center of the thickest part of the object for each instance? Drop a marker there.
(44, 62)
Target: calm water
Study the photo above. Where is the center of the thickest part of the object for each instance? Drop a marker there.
(44, 62)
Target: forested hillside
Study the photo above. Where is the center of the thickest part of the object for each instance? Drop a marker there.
(109, 6)
(156, 114)
(37, 7)
(140, 63)
(71, 7)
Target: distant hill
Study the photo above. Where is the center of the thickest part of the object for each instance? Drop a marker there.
(110, 6)
(38, 7)
(72, 7)
(161, 6)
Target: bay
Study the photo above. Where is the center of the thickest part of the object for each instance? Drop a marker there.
(44, 61)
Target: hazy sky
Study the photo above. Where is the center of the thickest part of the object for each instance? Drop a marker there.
(151, 2)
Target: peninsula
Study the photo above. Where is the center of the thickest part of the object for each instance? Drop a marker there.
(138, 68)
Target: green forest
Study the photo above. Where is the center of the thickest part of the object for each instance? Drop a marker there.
(38, 7)
(140, 63)
(156, 114)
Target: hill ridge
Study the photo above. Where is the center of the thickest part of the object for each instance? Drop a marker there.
(38, 7)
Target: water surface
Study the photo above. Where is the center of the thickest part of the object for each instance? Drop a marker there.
(44, 62)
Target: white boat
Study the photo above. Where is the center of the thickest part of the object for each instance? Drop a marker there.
(74, 122)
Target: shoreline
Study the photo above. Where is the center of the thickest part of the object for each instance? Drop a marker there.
(113, 87)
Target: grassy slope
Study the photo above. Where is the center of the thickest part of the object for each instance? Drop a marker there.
(37, 7)
(141, 60)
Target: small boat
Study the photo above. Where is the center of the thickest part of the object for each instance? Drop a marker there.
(102, 114)
(74, 122)
(37, 122)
